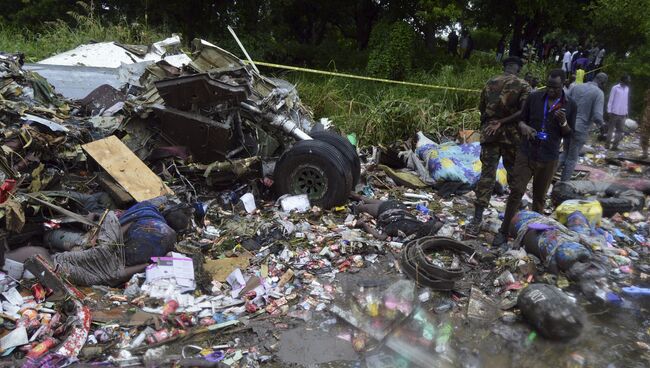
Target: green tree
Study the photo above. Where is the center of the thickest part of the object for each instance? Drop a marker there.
(391, 50)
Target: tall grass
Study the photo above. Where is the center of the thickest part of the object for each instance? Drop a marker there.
(376, 112)
(381, 113)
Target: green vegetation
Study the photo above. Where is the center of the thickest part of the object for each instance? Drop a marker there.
(58, 36)
(391, 57)
(388, 38)
(379, 112)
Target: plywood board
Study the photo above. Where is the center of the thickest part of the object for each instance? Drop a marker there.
(126, 168)
(219, 269)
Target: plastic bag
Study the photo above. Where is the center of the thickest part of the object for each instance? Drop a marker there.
(592, 210)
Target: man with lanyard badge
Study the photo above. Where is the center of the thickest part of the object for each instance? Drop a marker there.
(548, 116)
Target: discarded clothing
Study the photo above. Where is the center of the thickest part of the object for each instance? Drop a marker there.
(551, 312)
(458, 163)
(100, 265)
(147, 235)
(395, 220)
(557, 246)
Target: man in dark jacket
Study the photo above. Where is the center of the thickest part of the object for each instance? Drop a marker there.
(548, 116)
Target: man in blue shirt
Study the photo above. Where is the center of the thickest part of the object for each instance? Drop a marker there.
(547, 116)
(590, 100)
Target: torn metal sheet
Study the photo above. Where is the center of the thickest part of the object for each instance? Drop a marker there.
(55, 127)
(197, 91)
(112, 54)
(213, 57)
(208, 140)
(76, 82)
(100, 99)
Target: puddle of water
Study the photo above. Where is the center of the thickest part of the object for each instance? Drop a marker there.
(609, 338)
(311, 347)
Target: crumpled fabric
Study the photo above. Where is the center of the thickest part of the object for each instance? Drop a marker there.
(558, 247)
(50, 360)
(148, 234)
(414, 163)
(100, 265)
(459, 163)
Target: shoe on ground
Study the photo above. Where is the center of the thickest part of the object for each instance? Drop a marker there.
(473, 228)
(500, 240)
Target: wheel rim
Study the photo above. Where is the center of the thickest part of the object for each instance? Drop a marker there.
(310, 180)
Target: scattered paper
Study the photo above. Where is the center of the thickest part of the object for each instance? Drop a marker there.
(299, 203)
(14, 338)
(13, 296)
(16, 270)
(236, 281)
(249, 202)
(10, 309)
(177, 267)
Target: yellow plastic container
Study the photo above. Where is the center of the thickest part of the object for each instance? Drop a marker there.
(592, 210)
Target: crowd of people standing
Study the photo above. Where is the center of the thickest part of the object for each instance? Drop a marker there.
(462, 46)
(538, 131)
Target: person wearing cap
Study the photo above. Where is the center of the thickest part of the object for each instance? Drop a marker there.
(547, 116)
(500, 105)
(617, 108)
(590, 99)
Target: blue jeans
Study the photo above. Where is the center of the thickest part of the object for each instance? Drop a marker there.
(569, 158)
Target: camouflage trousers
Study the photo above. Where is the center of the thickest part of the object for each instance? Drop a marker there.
(490, 155)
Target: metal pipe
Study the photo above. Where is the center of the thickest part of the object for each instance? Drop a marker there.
(279, 121)
(290, 127)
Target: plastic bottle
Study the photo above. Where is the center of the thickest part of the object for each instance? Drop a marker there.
(169, 308)
(423, 209)
(42, 348)
(372, 304)
(444, 335)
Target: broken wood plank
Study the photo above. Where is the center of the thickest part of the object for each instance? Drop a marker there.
(126, 168)
(120, 196)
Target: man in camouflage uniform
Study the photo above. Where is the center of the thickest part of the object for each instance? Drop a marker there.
(645, 126)
(501, 101)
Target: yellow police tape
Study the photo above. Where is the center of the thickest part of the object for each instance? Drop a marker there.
(593, 70)
(335, 74)
(353, 76)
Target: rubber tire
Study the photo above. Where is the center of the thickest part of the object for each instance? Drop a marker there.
(345, 147)
(324, 156)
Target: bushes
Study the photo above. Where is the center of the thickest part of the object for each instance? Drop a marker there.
(391, 50)
(376, 112)
(382, 113)
(59, 36)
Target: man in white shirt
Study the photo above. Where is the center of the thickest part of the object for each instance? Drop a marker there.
(600, 57)
(566, 61)
(617, 108)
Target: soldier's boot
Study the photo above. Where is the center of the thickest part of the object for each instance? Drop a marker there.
(500, 240)
(474, 227)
